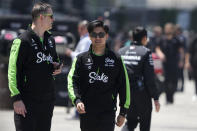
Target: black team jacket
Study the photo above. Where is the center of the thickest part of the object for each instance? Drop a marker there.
(30, 67)
(97, 80)
(140, 68)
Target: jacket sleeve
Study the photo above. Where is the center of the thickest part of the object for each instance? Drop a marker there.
(124, 89)
(17, 58)
(73, 82)
(149, 76)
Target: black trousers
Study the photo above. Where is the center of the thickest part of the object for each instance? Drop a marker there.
(144, 119)
(97, 122)
(170, 89)
(181, 78)
(38, 117)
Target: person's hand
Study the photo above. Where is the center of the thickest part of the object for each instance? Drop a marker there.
(162, 57)
(187, 66)
(81, 108)
(19, 108)
(120, 120)
(157, 105)
(68, 52)
(181, 64)
(58, 68)
(160, 54)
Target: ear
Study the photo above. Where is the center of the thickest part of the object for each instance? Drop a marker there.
(144, 40)
(41, 16)
(89, 36)
(145, 37)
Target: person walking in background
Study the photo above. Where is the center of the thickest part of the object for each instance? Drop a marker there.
(130, 38)
(94, 81)
(84, 43)
(170, 50)
(191, 64)
(33, 63)
(155, 39)
(139, 63)
(182, 40)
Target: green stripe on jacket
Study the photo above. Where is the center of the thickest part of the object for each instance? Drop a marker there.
(70, 81)
(127, 103)
(12, 68)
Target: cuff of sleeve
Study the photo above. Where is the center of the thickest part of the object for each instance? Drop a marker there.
(73, 55)
(123, 111)
(16, 98)
(77, 101)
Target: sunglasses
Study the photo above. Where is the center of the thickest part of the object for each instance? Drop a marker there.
(100, 34)
(50, 15)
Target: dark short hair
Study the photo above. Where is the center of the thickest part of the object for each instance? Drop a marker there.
(97, 23)
(39, 8)
(138, 33)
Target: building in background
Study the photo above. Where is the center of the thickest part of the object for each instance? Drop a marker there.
(131, 3)
(169, 4)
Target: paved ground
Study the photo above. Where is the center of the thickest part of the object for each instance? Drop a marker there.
(182, 116)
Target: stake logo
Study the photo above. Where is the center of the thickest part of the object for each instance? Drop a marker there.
(42, 57)
(95, 77)
(109, 62)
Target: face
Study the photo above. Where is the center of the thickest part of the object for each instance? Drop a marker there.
(81, 30)
(48, 19)
(98, 36)
(168, 29)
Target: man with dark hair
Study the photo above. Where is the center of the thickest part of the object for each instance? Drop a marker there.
(32, 64)
(94, 81)
(139, 63)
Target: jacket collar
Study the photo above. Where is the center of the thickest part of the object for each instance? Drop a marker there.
(106, 49)
(137, 43)
(36, 38)
(46, 33)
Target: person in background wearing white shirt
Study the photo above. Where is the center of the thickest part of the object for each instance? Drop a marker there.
(84, 42)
